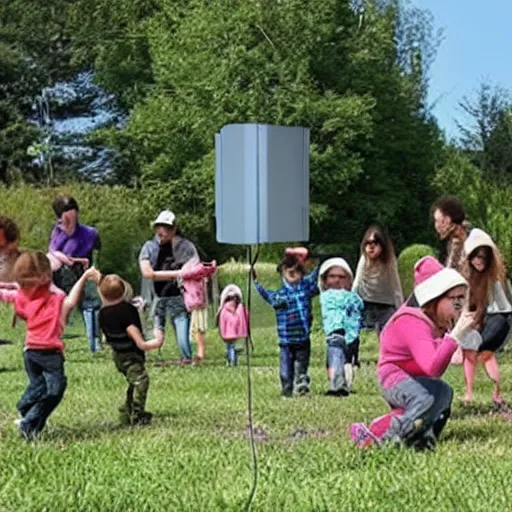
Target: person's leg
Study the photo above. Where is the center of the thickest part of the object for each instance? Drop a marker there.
(125, 410)
(424, 401)
(53, 371)
(36, 387)
(286, 370)
(159, 319)
(493, 371)
(301, 366)
(231, 355)
(88, 317)
(138, 378)
(181, 328)
(336, 364)
(469, 362)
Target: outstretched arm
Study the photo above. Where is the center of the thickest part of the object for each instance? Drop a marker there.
(134, 332)
(73, 298)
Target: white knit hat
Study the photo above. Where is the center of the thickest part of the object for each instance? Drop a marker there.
(330, 263)
(432, 280)
(477, 238)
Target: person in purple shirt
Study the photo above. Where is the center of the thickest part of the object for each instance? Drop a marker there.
(71, 251)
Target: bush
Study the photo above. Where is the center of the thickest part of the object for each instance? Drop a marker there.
(406, 261)
(115, 211)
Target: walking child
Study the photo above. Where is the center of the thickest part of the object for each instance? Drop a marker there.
(232, 320)
(45, 312)
(341, 317)
(120, 322)
(292, 304)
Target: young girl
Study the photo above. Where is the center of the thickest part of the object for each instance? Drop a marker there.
(45, 312)
(415, 349)
(120, 322)
(341, 316)
(490, 298)
(232, 320)
(194, 275)
(292, 304)
(377, 281)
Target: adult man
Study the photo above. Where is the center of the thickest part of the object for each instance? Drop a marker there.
(160, 259)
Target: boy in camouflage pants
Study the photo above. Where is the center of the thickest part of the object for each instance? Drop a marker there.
(120, 322)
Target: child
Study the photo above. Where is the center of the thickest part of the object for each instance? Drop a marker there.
(194, 275)
(415, 349)
(377, 281)
(292, 304)
(45, 312)
(232, 320)
(341, 315)
(489, 297)
(120, 322)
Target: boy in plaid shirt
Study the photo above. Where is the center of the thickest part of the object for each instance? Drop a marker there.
(292, 304)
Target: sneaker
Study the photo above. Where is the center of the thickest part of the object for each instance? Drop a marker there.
(303, 391)
(337, 392)
(362, 435)
(185, 362)
(143, 419)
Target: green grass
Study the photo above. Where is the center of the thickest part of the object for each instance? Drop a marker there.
(196, 455)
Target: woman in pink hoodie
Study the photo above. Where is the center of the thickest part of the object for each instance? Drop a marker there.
(415, 349)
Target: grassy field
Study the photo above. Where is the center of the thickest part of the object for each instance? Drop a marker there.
(196, 454)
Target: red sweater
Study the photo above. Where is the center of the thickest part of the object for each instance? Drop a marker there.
(42, 314)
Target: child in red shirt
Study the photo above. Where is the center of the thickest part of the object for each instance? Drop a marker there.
(45, 311)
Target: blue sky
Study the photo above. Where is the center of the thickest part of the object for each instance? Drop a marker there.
(476, 47)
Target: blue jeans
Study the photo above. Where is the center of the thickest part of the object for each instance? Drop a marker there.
(293, 367)
(47, 383)
(174, 308)
(335, 359)
(92, 328)
(231, 355)
(427, 405)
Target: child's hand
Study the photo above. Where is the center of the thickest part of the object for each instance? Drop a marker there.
(92, 274)
(83, 261)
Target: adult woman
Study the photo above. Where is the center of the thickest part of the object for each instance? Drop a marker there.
(377, 281)
(70, 251)
(160, 259)
(490, 298)
(415, 350)
(453, 229)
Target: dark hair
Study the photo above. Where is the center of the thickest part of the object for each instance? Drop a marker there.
(452, 207)
(382, 238)
(10, 229)
(290, 261)
(62, 204)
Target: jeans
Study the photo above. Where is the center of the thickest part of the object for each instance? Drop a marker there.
(495, 331)
(174, 307)
(231, 354)
(335, 361)
(92, 328)
(47, 383)
(426, 402)
(293, 367)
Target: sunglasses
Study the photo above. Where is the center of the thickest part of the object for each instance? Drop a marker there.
(337, 276)
(371, 243)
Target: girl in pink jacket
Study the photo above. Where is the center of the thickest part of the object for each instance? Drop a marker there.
(415, 349)
(232, 319)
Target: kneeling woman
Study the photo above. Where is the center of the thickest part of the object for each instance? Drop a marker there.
(489, 296)
(415, 350)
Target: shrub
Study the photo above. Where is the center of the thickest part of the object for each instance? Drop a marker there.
(406, 261)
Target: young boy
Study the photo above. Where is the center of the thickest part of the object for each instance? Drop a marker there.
(341, 317)
(120, 322)
(292, 303)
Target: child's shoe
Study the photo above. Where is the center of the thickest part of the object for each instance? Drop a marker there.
(362, 435)
(143, 419)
